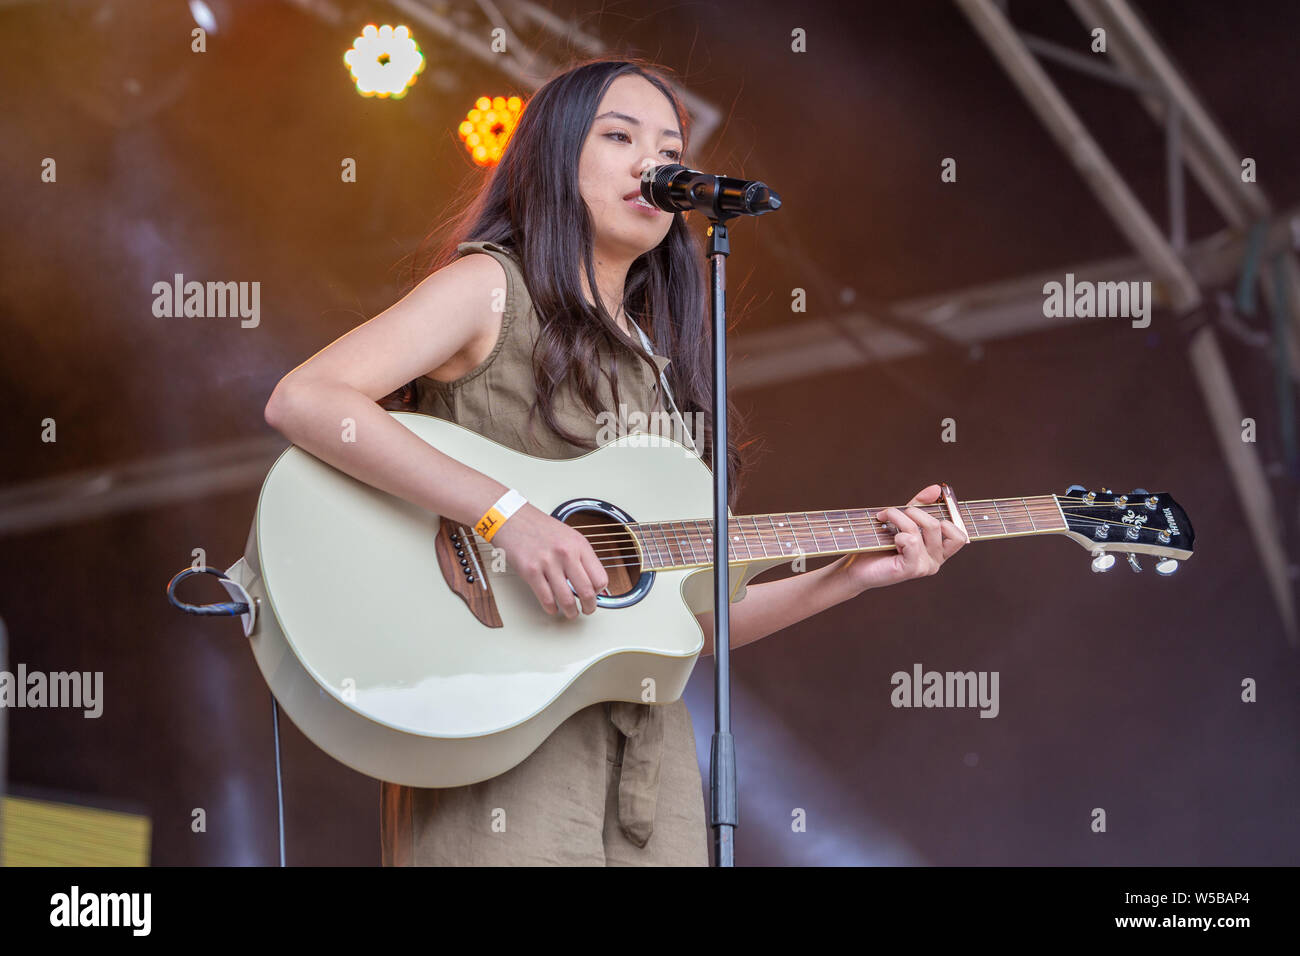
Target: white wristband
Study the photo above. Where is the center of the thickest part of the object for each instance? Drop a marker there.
(505, 506)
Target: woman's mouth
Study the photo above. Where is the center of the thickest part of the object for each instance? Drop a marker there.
(642, 205)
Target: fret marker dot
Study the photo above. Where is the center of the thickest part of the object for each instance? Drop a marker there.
(984, 517)
(780, 524)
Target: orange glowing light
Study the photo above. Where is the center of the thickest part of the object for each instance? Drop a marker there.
(488, 126)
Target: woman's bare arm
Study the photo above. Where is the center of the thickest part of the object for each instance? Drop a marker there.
(773, 605)
(450, 314)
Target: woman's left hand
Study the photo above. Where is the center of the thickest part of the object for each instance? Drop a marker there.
(924, 543)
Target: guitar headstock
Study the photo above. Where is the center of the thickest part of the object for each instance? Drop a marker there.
(1138, 523)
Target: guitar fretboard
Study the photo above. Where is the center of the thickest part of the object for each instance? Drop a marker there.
(668, 545)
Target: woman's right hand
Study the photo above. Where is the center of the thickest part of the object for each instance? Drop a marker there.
(544, 551)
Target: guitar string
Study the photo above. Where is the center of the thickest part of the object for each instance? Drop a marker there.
(638, 564)
(816, 526)
(939, 511)
(485, 548)
(695, 564)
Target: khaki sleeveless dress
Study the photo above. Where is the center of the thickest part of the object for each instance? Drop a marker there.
(617, 783)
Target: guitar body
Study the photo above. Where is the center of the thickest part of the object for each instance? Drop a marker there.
(379, 660)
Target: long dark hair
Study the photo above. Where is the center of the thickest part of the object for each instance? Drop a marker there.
(530, 204)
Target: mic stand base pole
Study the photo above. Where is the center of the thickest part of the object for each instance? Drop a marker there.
(723, 816)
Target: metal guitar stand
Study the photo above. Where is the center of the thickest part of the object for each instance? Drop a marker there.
(243, 606)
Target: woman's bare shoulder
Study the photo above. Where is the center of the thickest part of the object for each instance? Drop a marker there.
(481, 280)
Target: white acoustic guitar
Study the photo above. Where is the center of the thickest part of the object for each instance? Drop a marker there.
(405, 647)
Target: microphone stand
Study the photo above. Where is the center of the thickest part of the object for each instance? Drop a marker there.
(675, 188)
(723, 816)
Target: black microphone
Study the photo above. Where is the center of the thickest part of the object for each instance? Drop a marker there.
(674, 188)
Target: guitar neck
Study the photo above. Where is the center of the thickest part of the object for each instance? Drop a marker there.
(670, 545)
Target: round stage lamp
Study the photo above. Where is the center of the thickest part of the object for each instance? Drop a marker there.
(487, 127)
(384, 61)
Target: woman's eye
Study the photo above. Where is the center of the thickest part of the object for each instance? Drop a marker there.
(676, 154)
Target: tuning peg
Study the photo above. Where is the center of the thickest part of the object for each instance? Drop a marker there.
(1102, 561)
(1138, 493)
(1074, 491)
(1133, 562)
(1167, 567)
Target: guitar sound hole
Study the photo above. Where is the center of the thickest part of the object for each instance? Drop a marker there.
(613, 545)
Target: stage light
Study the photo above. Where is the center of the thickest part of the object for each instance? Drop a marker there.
(487, 128)
(384, 61)
(203, 15)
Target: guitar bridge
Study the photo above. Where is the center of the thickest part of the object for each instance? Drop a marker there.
(462, 568)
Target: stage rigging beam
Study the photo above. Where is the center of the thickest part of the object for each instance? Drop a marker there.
(1113, 193)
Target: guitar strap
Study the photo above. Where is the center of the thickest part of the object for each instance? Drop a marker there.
(668, 392)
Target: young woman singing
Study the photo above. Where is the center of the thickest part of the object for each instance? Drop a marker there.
(559, 298)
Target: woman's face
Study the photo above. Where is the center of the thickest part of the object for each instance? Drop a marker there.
(618, 148)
